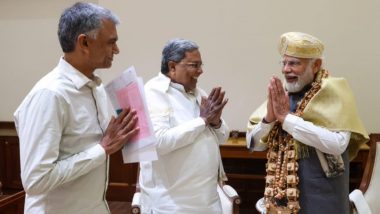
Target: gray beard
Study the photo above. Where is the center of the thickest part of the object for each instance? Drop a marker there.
(304, 79)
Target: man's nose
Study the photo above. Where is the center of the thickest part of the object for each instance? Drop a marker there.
(116, 49)
(286, 68)
(200, 70)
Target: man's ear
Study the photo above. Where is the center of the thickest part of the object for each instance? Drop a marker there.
(82, 41)
(317, 65)
(171, 66)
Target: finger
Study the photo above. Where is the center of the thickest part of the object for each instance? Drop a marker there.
(131, 118)
(269, 92)
(220, 98)
(127, 136)
(112, 120)
(211, 94)
(272, 86)
(273, 96)
(275, 85)
(221, 105)
(225, 102)
(272, 79)
(272, 90)
(216, 94)
(128, 117)
(129, 128)
(269, 88)
(279, 86)
(132, 122)
(123, 139)
(123, 113)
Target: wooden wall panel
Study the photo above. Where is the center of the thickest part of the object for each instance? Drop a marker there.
(122, 179)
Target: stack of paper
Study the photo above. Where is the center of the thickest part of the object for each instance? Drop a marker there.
(127, 90)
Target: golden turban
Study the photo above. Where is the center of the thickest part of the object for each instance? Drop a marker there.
(300, 45)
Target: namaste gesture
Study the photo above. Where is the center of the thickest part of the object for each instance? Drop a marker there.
(211, 107)
(278, 101)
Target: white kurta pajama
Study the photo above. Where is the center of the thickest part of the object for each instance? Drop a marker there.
(60, 125)
(184, 178)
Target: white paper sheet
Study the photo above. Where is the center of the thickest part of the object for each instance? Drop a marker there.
(127, 90)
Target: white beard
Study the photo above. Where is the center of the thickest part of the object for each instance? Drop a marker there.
(304, 79)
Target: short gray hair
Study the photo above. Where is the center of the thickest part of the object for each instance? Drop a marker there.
(81, 18)
(175, 50)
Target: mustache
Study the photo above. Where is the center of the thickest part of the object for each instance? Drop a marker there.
(292, 75)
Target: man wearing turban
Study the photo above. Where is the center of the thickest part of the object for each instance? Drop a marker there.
(311, 129)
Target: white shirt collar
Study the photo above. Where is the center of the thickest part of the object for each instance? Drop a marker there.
(165, 82)
(77, 77)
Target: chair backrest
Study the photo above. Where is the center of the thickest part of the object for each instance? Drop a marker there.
(370, 184)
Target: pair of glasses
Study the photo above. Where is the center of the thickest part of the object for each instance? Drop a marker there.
(290, 63)
(194, 65)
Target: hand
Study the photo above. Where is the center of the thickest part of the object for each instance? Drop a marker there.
(270, 117)
(211, 107)
(119, 131)
(279, 99)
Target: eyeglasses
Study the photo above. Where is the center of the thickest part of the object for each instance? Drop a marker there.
(290, 63)
(194, 65)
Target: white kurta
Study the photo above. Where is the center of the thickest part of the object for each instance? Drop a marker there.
(318, 137)
(184, 178)
(60, 125)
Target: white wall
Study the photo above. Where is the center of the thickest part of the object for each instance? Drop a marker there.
(238, 41)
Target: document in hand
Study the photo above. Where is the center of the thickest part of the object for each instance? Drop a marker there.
(127, 90)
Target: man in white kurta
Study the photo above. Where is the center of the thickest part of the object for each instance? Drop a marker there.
(185, 176)
(65, 125)
(63, 166)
